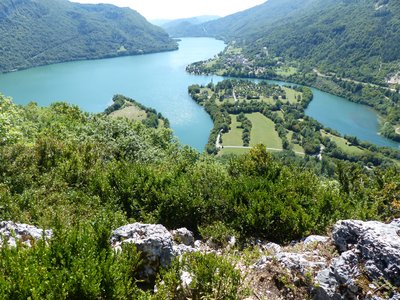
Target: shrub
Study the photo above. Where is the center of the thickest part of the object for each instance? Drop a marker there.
(208, 276)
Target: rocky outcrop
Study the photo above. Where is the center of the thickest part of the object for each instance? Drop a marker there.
(361, 260)
(183, 236)
(11, 233)
(300, 261)
(155, 243)
(369, 257)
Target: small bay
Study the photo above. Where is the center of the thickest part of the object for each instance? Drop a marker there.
(160, 81)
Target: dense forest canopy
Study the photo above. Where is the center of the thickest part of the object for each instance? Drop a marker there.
(39, 32)
(358, 39)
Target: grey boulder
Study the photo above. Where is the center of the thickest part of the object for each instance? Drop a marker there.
(369, 249)
(11, 233)
(154, 242)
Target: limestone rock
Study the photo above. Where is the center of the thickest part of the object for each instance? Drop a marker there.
(271, 247)
(301, 262)
(179, 250)
(326, 286)
(315, 239)
(12, 232)
(183, 236)
(155, 243)
(369, 249)
(378, 244)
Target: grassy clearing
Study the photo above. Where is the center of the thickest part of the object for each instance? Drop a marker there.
(234, 136)
(291, 95)
(263, 131)
(343, 144)
(131, 112)
(286, 71)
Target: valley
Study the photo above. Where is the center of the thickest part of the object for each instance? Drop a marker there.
(258, 160)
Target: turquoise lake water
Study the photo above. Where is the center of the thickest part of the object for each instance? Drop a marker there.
(160, 81)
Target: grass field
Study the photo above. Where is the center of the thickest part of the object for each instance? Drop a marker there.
(263, 131)
(234, 136)
(343, 144)
(286, 71)
(130, 111)
(291, 95)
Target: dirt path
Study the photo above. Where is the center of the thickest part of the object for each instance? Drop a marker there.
(218, 145)
(234, 95)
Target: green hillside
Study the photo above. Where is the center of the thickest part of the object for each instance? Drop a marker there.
(357, 39)
(38, 32)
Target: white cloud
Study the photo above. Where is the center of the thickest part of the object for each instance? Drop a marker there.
(173, 9)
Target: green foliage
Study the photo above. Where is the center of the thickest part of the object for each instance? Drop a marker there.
(10, 130)
(83, 175)
(74, 264)
(356, 39)
(50, 31)
(212, 277)
(218, 233)
(152, 119)
(246, 125)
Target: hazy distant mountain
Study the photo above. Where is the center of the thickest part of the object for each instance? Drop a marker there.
(186, 27)
(37, 32)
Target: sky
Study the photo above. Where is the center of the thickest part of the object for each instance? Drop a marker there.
(175, 9)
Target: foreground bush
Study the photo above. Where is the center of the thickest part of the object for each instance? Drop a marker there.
(201, 276)
(75, 263)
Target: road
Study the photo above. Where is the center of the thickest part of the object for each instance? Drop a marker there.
(316, 71)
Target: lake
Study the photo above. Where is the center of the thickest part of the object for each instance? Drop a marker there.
(160, 81)
(348, 118)
(156, 80)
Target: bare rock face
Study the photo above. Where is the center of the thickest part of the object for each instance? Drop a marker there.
(155, 243)
(369, 251)
(11, 232)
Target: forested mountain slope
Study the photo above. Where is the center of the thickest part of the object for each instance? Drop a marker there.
(254, 20)
(38, 32)
(358, 39)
